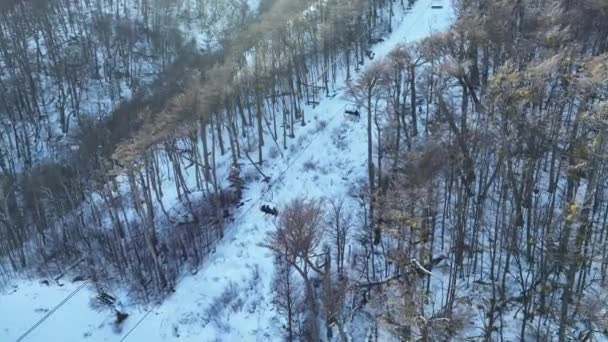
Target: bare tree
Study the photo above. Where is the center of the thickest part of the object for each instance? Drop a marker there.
(287, 297)
(341, 222)
(367, 91)
(298, 234)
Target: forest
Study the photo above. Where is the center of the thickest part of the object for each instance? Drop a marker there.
(135, 135)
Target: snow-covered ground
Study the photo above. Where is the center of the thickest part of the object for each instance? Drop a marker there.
(229, 299)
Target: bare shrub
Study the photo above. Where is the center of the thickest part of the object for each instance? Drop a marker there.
(293, 148)
(338, 137)
(251, 175)
(321, 124)
(229, 298)
(273, 153)
(302, 140)
(309, 165)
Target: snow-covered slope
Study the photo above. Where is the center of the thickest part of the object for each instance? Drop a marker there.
(229, 299)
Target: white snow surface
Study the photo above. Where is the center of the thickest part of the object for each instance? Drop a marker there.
(230, 297)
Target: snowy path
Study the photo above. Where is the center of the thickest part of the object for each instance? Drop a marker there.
(229, 299)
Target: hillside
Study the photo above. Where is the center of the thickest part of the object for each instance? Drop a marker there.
(300, 170)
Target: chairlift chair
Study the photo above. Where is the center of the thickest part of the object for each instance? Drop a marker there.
(436, 4)
(352, 110)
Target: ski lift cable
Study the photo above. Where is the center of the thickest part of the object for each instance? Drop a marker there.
(52, 311)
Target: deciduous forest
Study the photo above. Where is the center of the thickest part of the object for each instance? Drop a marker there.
(453, 185)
